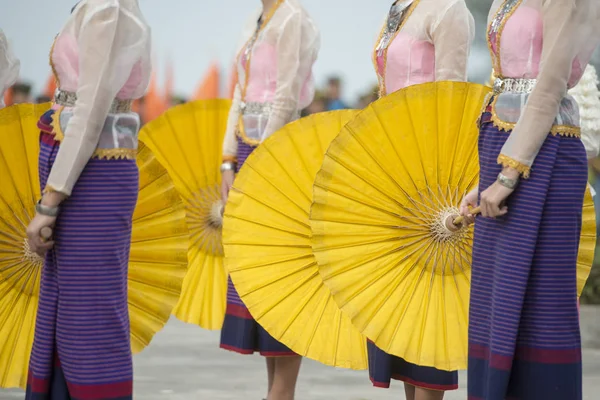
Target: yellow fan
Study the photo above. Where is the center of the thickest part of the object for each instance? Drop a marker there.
(158, 251)
(267, 244)
(387, 185)
(187, 140)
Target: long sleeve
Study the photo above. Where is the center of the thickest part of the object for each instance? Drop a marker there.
(289, 70)
(9, 67)
(452, 38)
(566, 28)
(230, 141)
(106, 41)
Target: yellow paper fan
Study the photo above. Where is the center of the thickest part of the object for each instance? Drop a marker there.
(387, 183)
(187, 140)
(158, 251)
(267, 240)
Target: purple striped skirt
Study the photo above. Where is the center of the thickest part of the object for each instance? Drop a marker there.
(240, 332)
(81, 348)
(524, 340)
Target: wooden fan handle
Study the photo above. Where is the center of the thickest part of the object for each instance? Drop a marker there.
(46, 233)
(458, 220)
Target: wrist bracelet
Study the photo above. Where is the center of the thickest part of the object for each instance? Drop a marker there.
(46, 210)
(507, 182)
(227, 166)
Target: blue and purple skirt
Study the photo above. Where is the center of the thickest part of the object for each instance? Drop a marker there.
(524, 340)
(81, 348)
(384, 367)
(240, 332)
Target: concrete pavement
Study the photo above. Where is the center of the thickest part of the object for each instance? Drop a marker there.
(185, 363)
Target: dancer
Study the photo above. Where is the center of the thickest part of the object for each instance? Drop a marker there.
(275, 83)
(9, 67)
(422, 41)
(524, 339)
(89, 177)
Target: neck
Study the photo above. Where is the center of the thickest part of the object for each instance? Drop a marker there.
(268, 4)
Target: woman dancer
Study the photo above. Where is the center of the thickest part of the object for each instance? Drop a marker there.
(275, 83)
(422, 41)
(524, 340)
(88, 172)
(9, 67)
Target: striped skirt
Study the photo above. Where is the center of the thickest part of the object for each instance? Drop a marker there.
(81, 348)
(240, 332)
(384, 367)
(524, 340)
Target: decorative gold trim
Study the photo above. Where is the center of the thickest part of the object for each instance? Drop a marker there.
(381, 77)
(228, 158)
(241, 131)
(49, 189)
(506, 161)
(115, 154)
(496, 61)
(102, 154)
(560, 130)
(57, 131)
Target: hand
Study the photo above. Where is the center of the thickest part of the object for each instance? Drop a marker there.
(34, 238)
(226, 183)
(468, 202)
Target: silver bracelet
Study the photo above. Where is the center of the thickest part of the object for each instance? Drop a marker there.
(507, 182)
(228, 166)
(46, 210)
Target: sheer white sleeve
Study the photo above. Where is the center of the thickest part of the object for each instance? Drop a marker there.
(452, 37)
(109, 45)
(230, 141)
(9, 67)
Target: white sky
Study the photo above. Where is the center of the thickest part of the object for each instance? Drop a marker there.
(193, 33)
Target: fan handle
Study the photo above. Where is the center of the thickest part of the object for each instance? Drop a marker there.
(454, 223)
(46, 233)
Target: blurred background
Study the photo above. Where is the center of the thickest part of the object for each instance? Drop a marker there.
(195, 43)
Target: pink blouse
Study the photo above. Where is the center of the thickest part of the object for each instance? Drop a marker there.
(432, 43)
(279, 81)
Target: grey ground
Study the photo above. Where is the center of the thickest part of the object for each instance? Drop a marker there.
(185, 363)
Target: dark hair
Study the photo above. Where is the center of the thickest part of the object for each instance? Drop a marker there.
(334, 80)
(21, 88)
(42, 99)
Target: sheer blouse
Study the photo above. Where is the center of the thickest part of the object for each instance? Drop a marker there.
(551, 41)
(431, 42)
(9, 67)
(101, 54)
(275, 78)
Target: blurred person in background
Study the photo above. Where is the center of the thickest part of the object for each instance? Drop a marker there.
(318, 105)
(281, 44)
(333, 94)
(42, 99)
(21, 93)
(421, 41)
(9, 67)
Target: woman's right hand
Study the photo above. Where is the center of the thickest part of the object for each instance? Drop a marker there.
(226, 184)
(468, 202)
